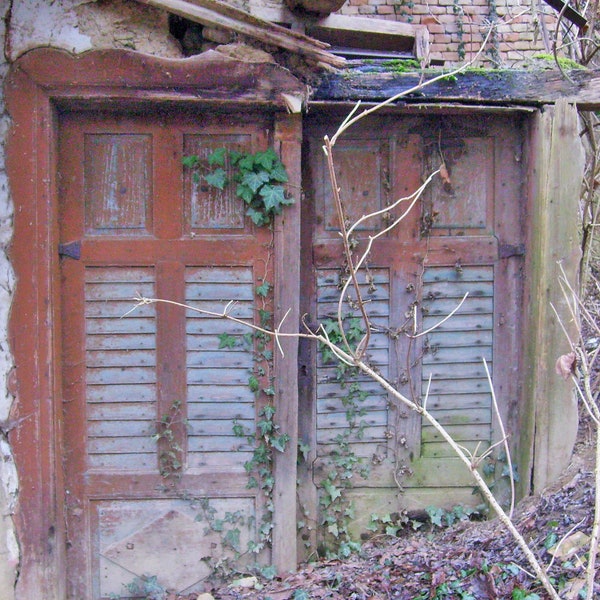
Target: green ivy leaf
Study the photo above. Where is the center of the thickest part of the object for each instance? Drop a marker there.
(263, 289)
(253, 383)
(218, 178)
(268, 412)
(280, 442)
(190, 161)
(273, 198)
(278, 173)
(245, 193)
(254, 180)
(257, 217)
(265, 427)
(246, 162)
(226, 341)
(217, 157)
(266, 159)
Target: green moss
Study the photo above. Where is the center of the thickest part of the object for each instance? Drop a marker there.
(401, 65)
(565, 63)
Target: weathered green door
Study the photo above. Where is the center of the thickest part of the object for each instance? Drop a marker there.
(463, 237)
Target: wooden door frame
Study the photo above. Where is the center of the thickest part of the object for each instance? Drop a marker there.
(41, 83)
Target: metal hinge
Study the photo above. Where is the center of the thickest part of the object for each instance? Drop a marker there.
(510, 250)
(70, 250)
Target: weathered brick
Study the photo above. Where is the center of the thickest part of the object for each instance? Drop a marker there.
(385, 10)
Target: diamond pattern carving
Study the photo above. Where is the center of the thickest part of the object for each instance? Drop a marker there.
(171, 547)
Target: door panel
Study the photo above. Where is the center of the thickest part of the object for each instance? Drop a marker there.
(446, 247)
(151, 397)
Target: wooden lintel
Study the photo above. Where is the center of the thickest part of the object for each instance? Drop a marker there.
(210, 77)
(219, 14)
(422, 108)
(481, 87)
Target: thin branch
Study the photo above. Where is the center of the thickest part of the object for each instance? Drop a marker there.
(448, 316)
(349, 122)
(505, 440)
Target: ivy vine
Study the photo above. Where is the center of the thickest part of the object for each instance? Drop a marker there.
(258, 177)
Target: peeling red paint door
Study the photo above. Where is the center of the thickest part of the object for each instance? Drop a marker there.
(150, 398)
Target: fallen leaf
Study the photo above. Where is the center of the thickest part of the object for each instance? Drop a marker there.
(568, 546)
(565, 365)
(444, 174)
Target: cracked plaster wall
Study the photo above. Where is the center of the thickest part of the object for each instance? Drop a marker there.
(75, 26)
(9, 551)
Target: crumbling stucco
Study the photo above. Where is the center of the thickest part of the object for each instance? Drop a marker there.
(80, 25)
(9, 550)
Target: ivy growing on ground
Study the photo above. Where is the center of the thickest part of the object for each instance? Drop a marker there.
(258, 177)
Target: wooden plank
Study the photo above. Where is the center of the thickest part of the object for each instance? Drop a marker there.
(454, 416)
(123, 461)
(119, 375)
(121, 392)
(111, 342)
(219, 14)
(367, 26)
(374, 82)
(370, 434)
(463, 323)
(447, 355)
(456, 386)
(459, 433)
(464, 274)
(472, 305)
(121, 358)
(121, 411)
(449, 371)
(339, 420)
(229, 358)
(443, 450)
(222, 410)
(457, 339)
(549, 424)
(457, 401)
(371, 403)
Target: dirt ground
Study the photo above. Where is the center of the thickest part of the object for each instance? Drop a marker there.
(469, 561)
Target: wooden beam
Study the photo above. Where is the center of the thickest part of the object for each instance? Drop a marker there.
(375, 83)
(549, 424)
(218, 14)
(370, 34)
(569, 13)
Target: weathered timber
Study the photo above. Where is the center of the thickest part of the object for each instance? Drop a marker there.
(219, 14)
(208, 77)
(375, 83)
(568, 13)
(370, 34)
(549, 425)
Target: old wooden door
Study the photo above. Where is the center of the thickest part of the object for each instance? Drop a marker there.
(463, 236)
(153, 463)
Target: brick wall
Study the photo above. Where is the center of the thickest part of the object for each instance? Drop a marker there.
(457, 27)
